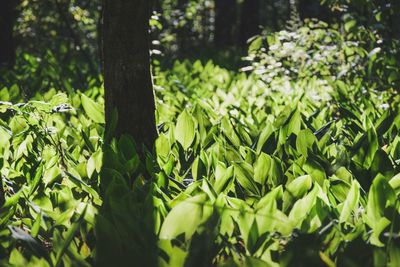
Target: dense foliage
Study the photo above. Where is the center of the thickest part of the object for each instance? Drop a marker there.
(258, 171)
(293, 160)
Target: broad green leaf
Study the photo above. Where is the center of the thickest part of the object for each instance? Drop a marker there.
(381, 195)
(94, 110)
(229, 132)
(350, 204)
(244, 175)
(256, 44)
(299, 186)
(223, 178)
(395, 183)
(16, 258)
(262, 168)
(266, 211)
(185, 130)
(94, 163)
(58, 99)
(302, 208)
(51, 175)
(265, 134)
(185, 217)
(304, 141)
(316, 171)
(349, 25)
(366, 148)
(163, 147)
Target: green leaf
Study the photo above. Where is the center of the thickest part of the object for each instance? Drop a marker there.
(185, 130)
(262, 168)
(36, 225)
(16, 258)
(94, 110)
(365, 148)
(299, 186)
(51, 175)
(229, 132)
(292, 125)
(244, 175)
(350, 204)
(69, 237)
(384, 122)
(163, 147)
(127, 147)
(256, 44)
(302, 208)
(305, 140)
(316, 171)
(381, 195)
(264, 135)
(94, 163)
(349, 25)
(266, 209)
(185, 217)
(59, 99)
(223, 177)
(395, 183)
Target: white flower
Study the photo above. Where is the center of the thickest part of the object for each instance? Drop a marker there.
(384, 106)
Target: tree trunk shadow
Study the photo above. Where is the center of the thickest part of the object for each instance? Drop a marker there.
(125, 227)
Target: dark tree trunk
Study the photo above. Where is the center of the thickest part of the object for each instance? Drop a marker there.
(313, 9)
(156, 5)
(250, 20)
(225, 22)
(127, 75)
(8, 15)
(395, 19)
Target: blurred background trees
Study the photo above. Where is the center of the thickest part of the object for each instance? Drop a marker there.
(341, 54)
(48, 34)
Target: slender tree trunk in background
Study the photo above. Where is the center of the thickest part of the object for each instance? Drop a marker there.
(395, 19)
(313, 9)
(225, 20)
(127, 76)
(181, 31)
(156, 5)
(250, 20)
(8, 16)
(275, 15)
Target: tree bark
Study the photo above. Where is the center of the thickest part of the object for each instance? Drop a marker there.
(225, 20)
(127, 75)
(8, 15)
(250, 20)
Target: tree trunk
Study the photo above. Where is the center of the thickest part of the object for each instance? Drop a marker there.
(182, 31)
(225, 20)
(250, 20)
(395, 19)
(313, 9)
(127, 75)
(156, 6)
(7, 44)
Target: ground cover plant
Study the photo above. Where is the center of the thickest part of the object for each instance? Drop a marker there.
(253, 176)
(290, 159)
